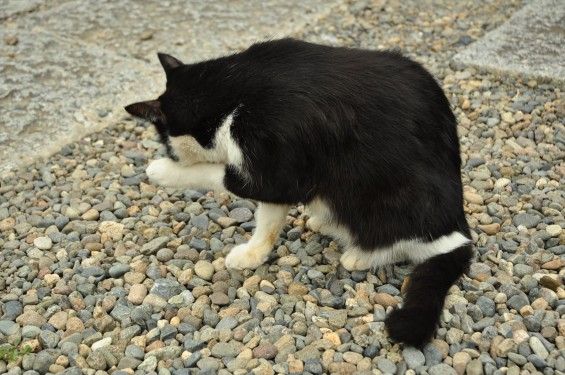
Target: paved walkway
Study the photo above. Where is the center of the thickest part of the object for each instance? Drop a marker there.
(67, 67)
(530, 44)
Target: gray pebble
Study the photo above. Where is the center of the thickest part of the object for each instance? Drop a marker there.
(442, 369)
(117, 270)
(154, 245)
(526, 219)
(414, 358)
(486, 305)
(386, 366)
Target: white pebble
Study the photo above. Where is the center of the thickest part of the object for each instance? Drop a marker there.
(43, 243)
(554, 230)
(101, 343)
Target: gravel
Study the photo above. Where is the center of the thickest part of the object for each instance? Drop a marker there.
(102, 272)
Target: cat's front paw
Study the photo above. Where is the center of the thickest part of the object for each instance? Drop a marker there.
(246, 256)
(162, 172)
(352, 260)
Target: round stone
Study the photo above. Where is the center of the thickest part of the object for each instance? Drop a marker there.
(204, 270)
(43, 243)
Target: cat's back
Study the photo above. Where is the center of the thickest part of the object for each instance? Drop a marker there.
(346, 75)
(293, 57)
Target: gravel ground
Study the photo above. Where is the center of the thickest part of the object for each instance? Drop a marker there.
(102, 272)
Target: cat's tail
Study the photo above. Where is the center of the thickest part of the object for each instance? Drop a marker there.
(416, 322)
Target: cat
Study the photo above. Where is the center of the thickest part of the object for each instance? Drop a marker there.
(365, 139)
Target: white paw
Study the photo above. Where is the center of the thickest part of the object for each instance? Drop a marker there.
(162, 172)
(244, 256)
(354, 261)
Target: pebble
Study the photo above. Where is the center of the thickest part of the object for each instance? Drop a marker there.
(204, 269)
(43, 243)
(414, 358)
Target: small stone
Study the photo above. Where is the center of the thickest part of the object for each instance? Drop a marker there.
(442, 369)
(266, 351)
(414, 358)
(154, 245)
(527, 220)
(31, 318)
(226, 349)
(148, 365)
(386, 366)
(204, 270)
(137, 294)
(8, 328)
(118, 270)
(113, 230)
(555, 264)
(101, 343)
(290, 260)
(490, 229)
(385, 300)
(226, 222)
(553, 230)
(266, 286)
(538, 348)
(48, 339)
(43, 243)
(219, 299)
(165, 254)
(486, 305)
(473, 198)
(550, 283)
(74, 324)
(91, 214)
(352, 357)
(241, 214)
(460, 361)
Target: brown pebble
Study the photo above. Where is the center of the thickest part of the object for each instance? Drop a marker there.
(154, 345)
(550, 283)
(490, 229)
(59, 320)
(219, 299)
(74, 324)
(137, 294)
(385, 300)
(297, 289)
(555, 264)
(266, 351)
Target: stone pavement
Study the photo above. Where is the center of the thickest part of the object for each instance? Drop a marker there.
(530, 44)
(67, 67)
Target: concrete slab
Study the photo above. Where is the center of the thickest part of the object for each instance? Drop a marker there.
(193, 30)
(9, 8)
(48, 86)
(67, 67)
(531, 43)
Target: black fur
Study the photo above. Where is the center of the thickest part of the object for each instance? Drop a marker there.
(369, 132)
(417, 321)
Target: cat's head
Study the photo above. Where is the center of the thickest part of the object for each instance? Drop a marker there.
(194, 104)
(154, 111)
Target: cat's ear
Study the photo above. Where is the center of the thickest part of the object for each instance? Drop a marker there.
(149, 110)
(169, 62)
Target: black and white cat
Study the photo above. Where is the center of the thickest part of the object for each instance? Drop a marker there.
(365, 139)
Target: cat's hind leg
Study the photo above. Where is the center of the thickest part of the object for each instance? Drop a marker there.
(270, 220)
(416, 322)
